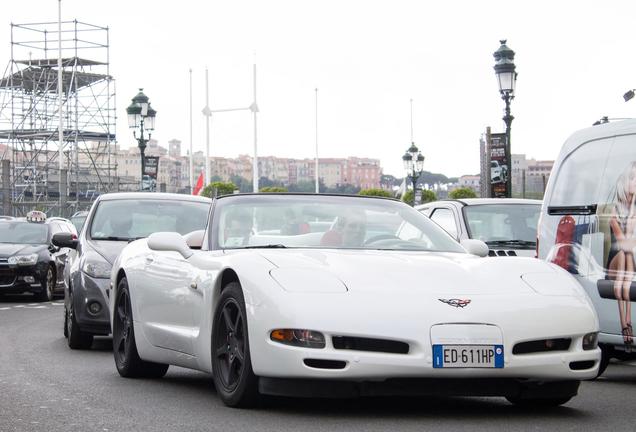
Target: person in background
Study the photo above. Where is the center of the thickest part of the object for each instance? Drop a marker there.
(349, 230)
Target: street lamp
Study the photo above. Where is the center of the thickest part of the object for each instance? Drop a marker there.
(141, 116)
(507, 79)
(414, 165)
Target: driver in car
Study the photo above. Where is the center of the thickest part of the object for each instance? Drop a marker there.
(349, 230)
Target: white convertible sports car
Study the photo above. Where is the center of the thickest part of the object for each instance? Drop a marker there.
(333, 296)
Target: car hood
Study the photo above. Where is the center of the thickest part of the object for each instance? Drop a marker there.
(10, 249)
(110, 250)
(406, 272)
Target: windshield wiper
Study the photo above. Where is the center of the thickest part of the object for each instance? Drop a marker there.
(267, 246)
(113, 238)
(511, 243)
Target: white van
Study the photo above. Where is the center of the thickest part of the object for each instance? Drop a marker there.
(588, 226)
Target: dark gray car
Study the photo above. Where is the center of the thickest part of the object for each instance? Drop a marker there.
(113, 221)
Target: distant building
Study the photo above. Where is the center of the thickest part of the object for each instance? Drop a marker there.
(529, 176)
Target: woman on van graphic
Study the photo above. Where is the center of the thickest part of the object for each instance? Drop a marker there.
(620, 262)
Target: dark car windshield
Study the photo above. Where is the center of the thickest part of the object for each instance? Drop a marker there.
(501, 223)
(23, 232)
(131, 219)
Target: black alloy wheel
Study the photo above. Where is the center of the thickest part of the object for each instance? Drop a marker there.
(234, 378)
(48, 285)
(127, 360)
(75, 338)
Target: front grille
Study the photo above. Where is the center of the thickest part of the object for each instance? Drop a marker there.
(370, 344)
(325, 364)
(542, 345)
(501, 253)
(7, 277)
(582, 365)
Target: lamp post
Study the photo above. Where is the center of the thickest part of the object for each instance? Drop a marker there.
(141, 116)
(414, 165)
(507, 79)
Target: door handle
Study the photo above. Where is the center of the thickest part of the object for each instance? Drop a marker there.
(149, 259)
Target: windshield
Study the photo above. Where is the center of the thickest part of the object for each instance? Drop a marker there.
(23, 232)
(296, 221)
(503, 223)
(131, 219)
(78, 221)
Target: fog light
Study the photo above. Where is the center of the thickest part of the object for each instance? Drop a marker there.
(298, 337)
(590, 341)
(94, 307)
(29, 279)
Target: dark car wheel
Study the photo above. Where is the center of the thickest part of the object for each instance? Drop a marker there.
(48, 285)
(606, 355)
(234, 378)
(127, 360)
(75, 338)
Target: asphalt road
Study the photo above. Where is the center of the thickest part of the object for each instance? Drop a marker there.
(44, 386)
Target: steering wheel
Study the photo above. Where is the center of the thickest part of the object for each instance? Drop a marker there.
(381, 237)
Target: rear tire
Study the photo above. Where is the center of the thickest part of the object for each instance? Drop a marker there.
(127, 360)
(606, 355)
(75, 338)
(234, 378)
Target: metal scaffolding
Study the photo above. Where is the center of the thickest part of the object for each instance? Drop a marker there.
(29, 117)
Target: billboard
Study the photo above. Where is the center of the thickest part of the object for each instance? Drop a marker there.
(499, 166)
(151, 170)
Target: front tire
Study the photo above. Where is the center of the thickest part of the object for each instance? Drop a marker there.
(606, 354)
(127, 360)
(234, 378)
(48, 285)
(75, 338)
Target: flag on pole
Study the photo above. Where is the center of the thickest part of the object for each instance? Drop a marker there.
(199, 186)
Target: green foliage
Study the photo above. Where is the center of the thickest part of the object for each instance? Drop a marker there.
(428, 196)
(375, 192)
(462, 192)
(218, 188)
(273, 189)
(408, 197)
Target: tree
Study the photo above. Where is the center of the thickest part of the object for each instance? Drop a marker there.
(375, 192)
(408, 197)
(462, 192)
(218, 188)
(273, 189)
(428, 196)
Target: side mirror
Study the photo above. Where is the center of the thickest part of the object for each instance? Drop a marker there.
(475, 247)
(169, 241)
(194, 239)
(64, 240)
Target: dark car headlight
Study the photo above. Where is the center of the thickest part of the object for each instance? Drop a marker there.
(30, 259)
(96, 266)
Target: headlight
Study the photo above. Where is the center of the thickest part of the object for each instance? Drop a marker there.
(23, 259)
(97, 267)
(590, 341)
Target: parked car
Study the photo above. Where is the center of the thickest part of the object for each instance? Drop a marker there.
(587, 226)
(508, 226)
(399, 309)
(114, 220)
(29, 262)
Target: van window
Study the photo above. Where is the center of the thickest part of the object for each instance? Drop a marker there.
(577, 182)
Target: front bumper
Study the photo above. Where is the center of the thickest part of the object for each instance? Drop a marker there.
(15, 279)
(88, 290)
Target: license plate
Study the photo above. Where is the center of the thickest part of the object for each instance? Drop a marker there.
(468, 356)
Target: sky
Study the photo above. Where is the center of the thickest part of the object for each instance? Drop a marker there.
(368, 59)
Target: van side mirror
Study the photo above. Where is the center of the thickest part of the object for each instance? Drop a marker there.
(475, 247)
(169, 241)
(64, 240)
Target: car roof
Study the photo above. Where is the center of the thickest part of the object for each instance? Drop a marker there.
(305, 194)
(603, 130)
(112, 196)
(482, 201)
